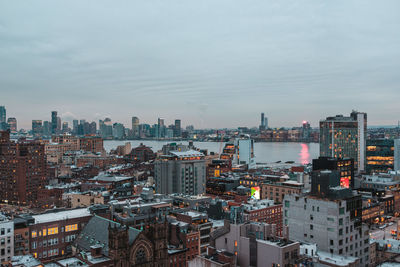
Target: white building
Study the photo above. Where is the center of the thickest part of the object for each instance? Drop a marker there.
(6, 239)
(397, 154)
(244, 152)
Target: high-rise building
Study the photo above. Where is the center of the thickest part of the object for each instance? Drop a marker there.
(118, 131)
(161, 128)
(244, 152)
(262, 123)
(65, 127)
(54, 122)
(12, 124)
(380, 155)
(330, 217)
(180, 170)
(306, 131)
(46, 128)
(135, 127)
(23, 173)
(344, 166)
(37, 127)
(75, 124)
(345, 137)
(3, 114)
(58, 125)
(177, 128)
(397, 154)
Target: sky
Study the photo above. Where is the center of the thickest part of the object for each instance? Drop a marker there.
(209, 63)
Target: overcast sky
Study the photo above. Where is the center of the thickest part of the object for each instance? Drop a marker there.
(211, 63)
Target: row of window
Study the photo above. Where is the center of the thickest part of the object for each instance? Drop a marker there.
(54, 230)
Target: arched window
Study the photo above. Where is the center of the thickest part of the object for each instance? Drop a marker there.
(140, 256)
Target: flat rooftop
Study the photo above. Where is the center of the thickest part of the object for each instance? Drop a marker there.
(61, 215)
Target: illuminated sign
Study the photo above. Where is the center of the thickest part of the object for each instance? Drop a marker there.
(255, 192)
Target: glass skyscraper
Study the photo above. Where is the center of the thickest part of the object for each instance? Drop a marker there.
(345, 137)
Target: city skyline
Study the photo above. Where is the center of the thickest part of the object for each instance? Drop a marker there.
(294, 61)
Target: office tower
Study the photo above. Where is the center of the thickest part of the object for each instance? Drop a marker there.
(177, 129)
(244, 152)
(106, 128)
(380, 155)
(262, 124)
(46, 128)
(330, 217)
(24, 173)
(345, 137)
(306, 131)
(12, 124)
(37, 128)
(65, 127)
(135, 127)
(54, 122)
(160, 128)
(92, 128)
(345, 167)
(3, 114)
(118, 131)
(75, 124)
(397, 154)
(180, 170)
(58, 124)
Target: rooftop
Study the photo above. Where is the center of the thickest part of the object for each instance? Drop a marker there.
(61, 215)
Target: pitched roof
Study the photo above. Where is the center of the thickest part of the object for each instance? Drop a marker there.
(96, 233)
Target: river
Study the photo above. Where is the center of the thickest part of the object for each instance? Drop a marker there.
(265, 152)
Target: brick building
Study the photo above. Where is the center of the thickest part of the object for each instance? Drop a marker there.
(22, 169)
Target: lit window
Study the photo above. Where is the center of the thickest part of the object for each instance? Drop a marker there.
(52, 231)
(34, 234)
(44, 232)
(72, 227)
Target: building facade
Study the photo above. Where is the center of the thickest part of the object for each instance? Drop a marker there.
(345, 137)
(22, 169)
(182, 172)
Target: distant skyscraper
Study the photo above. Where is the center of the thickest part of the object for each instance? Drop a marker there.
(161, 128)
(3, 114)
(12, 124)
(58, 124)
(46, 128)
(177, 128)
(53, 122)
(306, 131)
(397, 154)
(345, 137)
(37, 128)
(135, 127)
(65, 127)
(264, 122)
(75, 124)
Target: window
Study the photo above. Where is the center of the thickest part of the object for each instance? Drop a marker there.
(52, 231)
(34, 234)
(287, 204)
(341, 221)
(44, 232)
(140, 256)
(340, 231)
(311, 227)
(330, 229)
(330, 219)
(72, 227)
(341, 211)
(331, 242)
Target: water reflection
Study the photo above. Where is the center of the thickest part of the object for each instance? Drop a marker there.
(304, 154)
